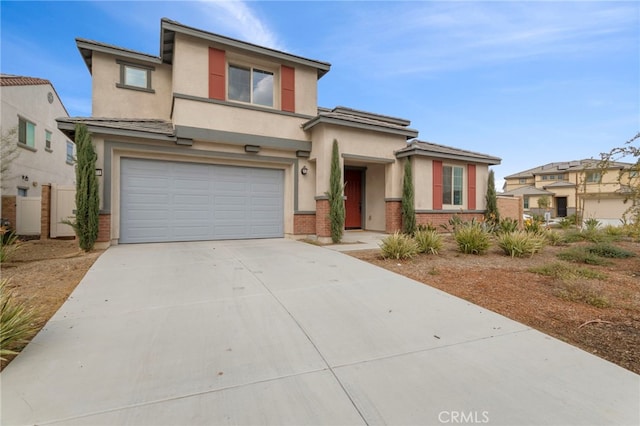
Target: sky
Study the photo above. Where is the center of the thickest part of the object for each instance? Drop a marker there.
(529, 82)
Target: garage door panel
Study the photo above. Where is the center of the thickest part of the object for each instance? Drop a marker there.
(171, 201)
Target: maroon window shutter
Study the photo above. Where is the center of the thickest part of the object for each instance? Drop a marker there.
(217, 71)
(437, 185)
(288, 88)
(471, 186)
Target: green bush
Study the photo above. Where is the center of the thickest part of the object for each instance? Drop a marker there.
(508, 225)
(399, 246)
(429, 241)
(521, 243)
(554, 238)
(8, 244)
(609, 251)
(17, 323)
(568, 222)
(425, 227)
(582, 255)
(472, 238)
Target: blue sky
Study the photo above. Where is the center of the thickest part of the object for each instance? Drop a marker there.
(530, 82)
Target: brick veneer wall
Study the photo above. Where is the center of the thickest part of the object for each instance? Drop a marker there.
(304, 224)
(9, 209)
(104, 228)
(442, 218)
(45, 212)
(393, 216)
(323, 224)
(511, 207)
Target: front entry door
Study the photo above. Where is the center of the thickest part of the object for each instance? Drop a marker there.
(353, 204)
(561, 203)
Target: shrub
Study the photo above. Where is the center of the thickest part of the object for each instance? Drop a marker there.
(521, 243)
(508, 225)
(425, 227)
(16, 322)
(336, 196)
(615, 232)
(591, 224)
(472, 238)
(609, 251)
(8, 244)
(582, 255)
(429, 241)
(564, 272)
(554, 238)
(534, 224)
(568, 222)
(399, 246)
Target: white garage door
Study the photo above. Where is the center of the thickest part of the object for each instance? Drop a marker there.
(172, 201)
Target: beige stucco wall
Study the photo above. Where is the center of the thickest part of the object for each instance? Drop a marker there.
(112, 101)
(375, 208)
(39, 165)
(191, 73)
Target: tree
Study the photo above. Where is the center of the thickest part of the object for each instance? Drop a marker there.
(336, 197)
(408, 203)
(492, 215)
(629, 179)
(8, 153)
(544, 202)
(87, 201)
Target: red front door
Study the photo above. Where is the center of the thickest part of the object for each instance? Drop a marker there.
(353, 204)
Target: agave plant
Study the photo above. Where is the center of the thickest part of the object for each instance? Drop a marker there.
(17, 323)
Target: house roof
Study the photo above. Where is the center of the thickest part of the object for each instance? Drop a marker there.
(169, 28)
(430, 149)
(343, 116)
(526, 190)
(565, 167)
(18, 80)
(138, 127)
(560, 184)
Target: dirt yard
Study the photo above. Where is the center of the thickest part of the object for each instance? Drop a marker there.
(44, 273)
(506, 286)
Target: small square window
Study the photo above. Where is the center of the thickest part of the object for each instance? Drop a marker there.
(47, 140)
(69, 152)
(22, 192)
(522, 180)
(134, 76)
(26, 133)
(594, 177)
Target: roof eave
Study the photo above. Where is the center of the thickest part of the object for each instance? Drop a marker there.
(491, 161)
(86, 48)
(68, 128)
(407, 133)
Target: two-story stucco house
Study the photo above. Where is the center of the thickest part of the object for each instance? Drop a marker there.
(217, 138)
(44, 154)
(580, 187)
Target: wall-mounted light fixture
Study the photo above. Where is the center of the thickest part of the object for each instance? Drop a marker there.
(98, 172)
(304, 170)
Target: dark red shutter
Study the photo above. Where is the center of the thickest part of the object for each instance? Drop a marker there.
(471, 186)
(217, 71)
(288, 88)
(437, 185)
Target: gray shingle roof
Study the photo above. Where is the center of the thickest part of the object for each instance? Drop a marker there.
(430, 149)
(133, 126)
(566, 167)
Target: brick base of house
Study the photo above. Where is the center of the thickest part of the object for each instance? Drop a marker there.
(323, 224)
(438, 218)
(304, 224)
(9, 209)
(393, 216)
(104, 228)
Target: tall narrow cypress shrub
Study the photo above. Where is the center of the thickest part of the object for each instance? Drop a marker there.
(335, 195)
(492, 215)
(408, 201)
(87, 202)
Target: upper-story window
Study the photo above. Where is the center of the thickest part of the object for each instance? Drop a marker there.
(47, 140)
(69, 152)
(452, 185)
(251, 85)
(26, 133)
(135, 76)
(522, 180)
(594, 177)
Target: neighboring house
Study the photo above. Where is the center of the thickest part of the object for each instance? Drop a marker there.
(45, 155)
(574, 187)
(221, 139)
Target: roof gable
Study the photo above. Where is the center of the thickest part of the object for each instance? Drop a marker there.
(18, 80)
(567, 167)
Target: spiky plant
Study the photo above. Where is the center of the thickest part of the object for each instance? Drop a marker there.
(17, 323)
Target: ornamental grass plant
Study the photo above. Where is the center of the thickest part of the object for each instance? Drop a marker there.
(398, 246)
(521, 243)
(17, 323)
(472, 238)
(429, 241)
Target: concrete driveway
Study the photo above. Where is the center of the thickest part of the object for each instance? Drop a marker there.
(283, 332)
